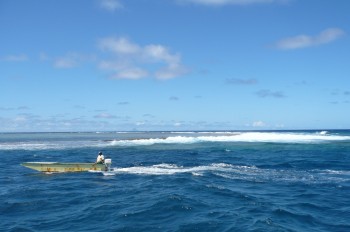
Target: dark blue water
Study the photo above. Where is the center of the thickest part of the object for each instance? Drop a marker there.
(194, 181)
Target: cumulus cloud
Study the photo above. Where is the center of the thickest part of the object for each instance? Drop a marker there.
(229, 2)
(303, 41)
(132, 73)
(111, 5)
(119, 45)
(237, 81)
(268, 93)
(133, 61)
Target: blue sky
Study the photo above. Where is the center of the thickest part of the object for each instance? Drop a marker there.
(121, 65)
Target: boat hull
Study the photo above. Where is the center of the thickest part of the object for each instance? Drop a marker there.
(64, 167)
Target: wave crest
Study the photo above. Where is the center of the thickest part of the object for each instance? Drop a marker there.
(273, 137)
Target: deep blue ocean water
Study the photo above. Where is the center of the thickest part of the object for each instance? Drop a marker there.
(179, 181)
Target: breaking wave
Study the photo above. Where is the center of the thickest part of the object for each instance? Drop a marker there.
(145, 139)
(274, 137)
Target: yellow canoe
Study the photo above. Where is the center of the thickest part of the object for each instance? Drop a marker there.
(64, 167)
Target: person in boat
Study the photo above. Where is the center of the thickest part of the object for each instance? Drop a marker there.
(100, 158)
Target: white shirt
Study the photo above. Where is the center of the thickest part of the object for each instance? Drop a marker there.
(100, 159)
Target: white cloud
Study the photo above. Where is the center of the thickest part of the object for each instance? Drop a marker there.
(20, 118)
(71, 60)
(237, 81)
(30, 122)
(131, 73)
(43, 56)
(171, 71)
(133, 61)
(105, 116)
(268, 93)
(229, 2)
(177, 124)
(14, 58)
(303, 41)
(111, 5)
(258, 124)
(66, 62)
(119, 45)
(140, 123)
(160, 53)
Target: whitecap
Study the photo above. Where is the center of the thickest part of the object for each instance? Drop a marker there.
(239, 172)
(273, 137)
(323, 132)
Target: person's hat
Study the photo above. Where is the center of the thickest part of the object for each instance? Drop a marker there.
(100, 153)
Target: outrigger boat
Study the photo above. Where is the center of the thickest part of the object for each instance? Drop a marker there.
(68, 167)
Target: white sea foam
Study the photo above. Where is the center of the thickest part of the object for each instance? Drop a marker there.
(171, 169)
(237, 172)
(202, 132)
(335, 172)
(30, 146)
(46, 145)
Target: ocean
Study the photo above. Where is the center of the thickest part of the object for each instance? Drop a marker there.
(179, 181)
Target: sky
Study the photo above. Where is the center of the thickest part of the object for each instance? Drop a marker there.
(144, 65)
